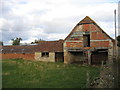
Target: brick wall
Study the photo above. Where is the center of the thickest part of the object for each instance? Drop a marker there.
(93, 27)
(100, 44)
(74, 44)
(98, 36)
(13, 55)
(86, 27)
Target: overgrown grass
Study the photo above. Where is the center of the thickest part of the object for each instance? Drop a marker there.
(35, 74)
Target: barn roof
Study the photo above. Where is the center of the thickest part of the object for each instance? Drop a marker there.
(19, 49)
(88, 20)
(50, 46)
(45, 46)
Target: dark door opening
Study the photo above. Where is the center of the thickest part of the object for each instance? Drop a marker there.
(59, 56)
(86, 40)
(99, 56)
(76, 57)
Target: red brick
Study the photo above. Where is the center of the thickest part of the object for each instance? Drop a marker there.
(86, 27)
(94, 36)
(74, 44)
(101, 36)
(100, 44)
(23, 56)
(93, 28)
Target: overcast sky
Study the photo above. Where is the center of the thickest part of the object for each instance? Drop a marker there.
(52, 19)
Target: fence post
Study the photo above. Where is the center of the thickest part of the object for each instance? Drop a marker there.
(102, 65)
(88, 79)
(89, 57)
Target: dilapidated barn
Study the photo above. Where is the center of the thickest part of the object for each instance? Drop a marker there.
(86, 43)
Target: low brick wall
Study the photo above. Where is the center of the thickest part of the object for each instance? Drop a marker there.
(26, 56)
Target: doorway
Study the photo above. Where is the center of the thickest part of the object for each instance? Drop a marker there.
(76, 57)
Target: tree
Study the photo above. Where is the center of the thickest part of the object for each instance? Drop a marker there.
(1, 43)
(118, 39)
(37, 41)
(16, 41)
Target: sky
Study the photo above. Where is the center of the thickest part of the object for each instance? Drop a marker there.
(51, 19)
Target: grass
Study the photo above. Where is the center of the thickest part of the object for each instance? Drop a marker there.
(34, 74)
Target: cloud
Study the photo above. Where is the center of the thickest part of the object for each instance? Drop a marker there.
(52, 19)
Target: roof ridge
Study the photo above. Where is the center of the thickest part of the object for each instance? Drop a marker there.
(85, 20)
(51, 41)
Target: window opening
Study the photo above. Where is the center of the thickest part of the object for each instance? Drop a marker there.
(45, 54)
(86, 40)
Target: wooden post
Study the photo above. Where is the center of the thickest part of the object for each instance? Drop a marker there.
(102, 66)
(89, 57)
(115, 36)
